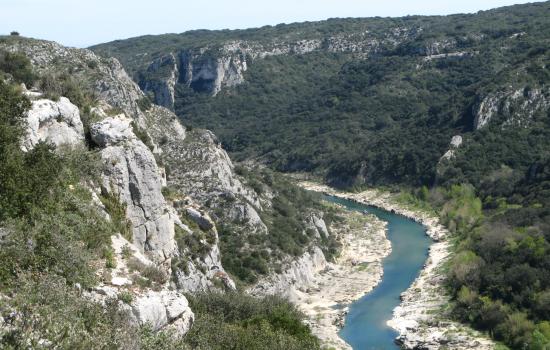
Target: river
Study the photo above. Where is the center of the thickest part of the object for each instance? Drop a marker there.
(365, 326)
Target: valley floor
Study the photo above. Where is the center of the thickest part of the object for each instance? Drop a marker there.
(420, 319)
(356, 271)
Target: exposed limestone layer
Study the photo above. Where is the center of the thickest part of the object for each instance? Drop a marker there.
(166, 68)
(160, 308)
(200, 168)
(131, 175)
(106, 77)
(454, 145)
(517, 107)
(323, 290)
(420, 319)
(210, 69)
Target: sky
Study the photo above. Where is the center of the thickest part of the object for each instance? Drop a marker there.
(83, 23)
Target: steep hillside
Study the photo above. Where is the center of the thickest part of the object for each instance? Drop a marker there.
(456, 108)
(358, 100)
(116, 209)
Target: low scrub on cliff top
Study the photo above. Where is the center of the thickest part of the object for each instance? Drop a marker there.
(238, 321)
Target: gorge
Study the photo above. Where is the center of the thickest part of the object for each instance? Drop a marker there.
(348, 183)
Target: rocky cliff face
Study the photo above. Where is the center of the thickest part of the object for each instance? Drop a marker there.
(211, 69)
(300, 274)
(167, 71)
(132, 176)
(170, 188)
(514, 107)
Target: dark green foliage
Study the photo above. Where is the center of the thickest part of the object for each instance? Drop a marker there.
(46, 308)
(51, 238)
(144, 104)
(117, 211)
(247, 255)
(18, 66)
(384, 119)
(142, 135)
(500, 274)
(57, 85)
(238, 321)
(26, 179)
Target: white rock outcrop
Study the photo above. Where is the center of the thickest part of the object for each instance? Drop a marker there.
(55, 122)
(517, 106)
(300, 274)
(455, 143)
(163, 87)
(160, 309)
(211, 69)
(317, 225)
(131, 174)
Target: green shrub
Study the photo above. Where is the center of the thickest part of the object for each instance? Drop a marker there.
(109, 256)
(126, 252)
(117, 212)
(245, 322)
(155, 274)
(126, 297)
(48, 309)
(18, 66)
(143, 136)
(144, 104)
(56, 85)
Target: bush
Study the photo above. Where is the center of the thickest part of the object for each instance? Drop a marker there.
(126, 297)
(143, 136)
(144, 104)
(117, 212)
(46, 308)
(57, 85)
(244, 322)
(18, 66)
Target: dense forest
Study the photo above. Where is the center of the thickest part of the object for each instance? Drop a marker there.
(386, 119)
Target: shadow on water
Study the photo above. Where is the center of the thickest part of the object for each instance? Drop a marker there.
(365, 327)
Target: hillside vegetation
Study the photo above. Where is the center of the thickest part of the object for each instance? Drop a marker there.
(385, 117)
(56, 247)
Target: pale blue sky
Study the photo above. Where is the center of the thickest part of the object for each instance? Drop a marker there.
(83, 23)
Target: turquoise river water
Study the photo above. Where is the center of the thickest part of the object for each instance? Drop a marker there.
(365, 327)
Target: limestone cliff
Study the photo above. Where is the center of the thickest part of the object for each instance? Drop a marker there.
(211, 68)
(515, 107)
(169, 188)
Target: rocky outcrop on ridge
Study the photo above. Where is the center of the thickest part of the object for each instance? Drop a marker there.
(516, 107)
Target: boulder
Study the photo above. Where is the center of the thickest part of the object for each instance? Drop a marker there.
(200, 219)
(112, 131)
(55, 122)
(159, 309)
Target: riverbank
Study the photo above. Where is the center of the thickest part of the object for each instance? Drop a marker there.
(324, 290)
(420, 318)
